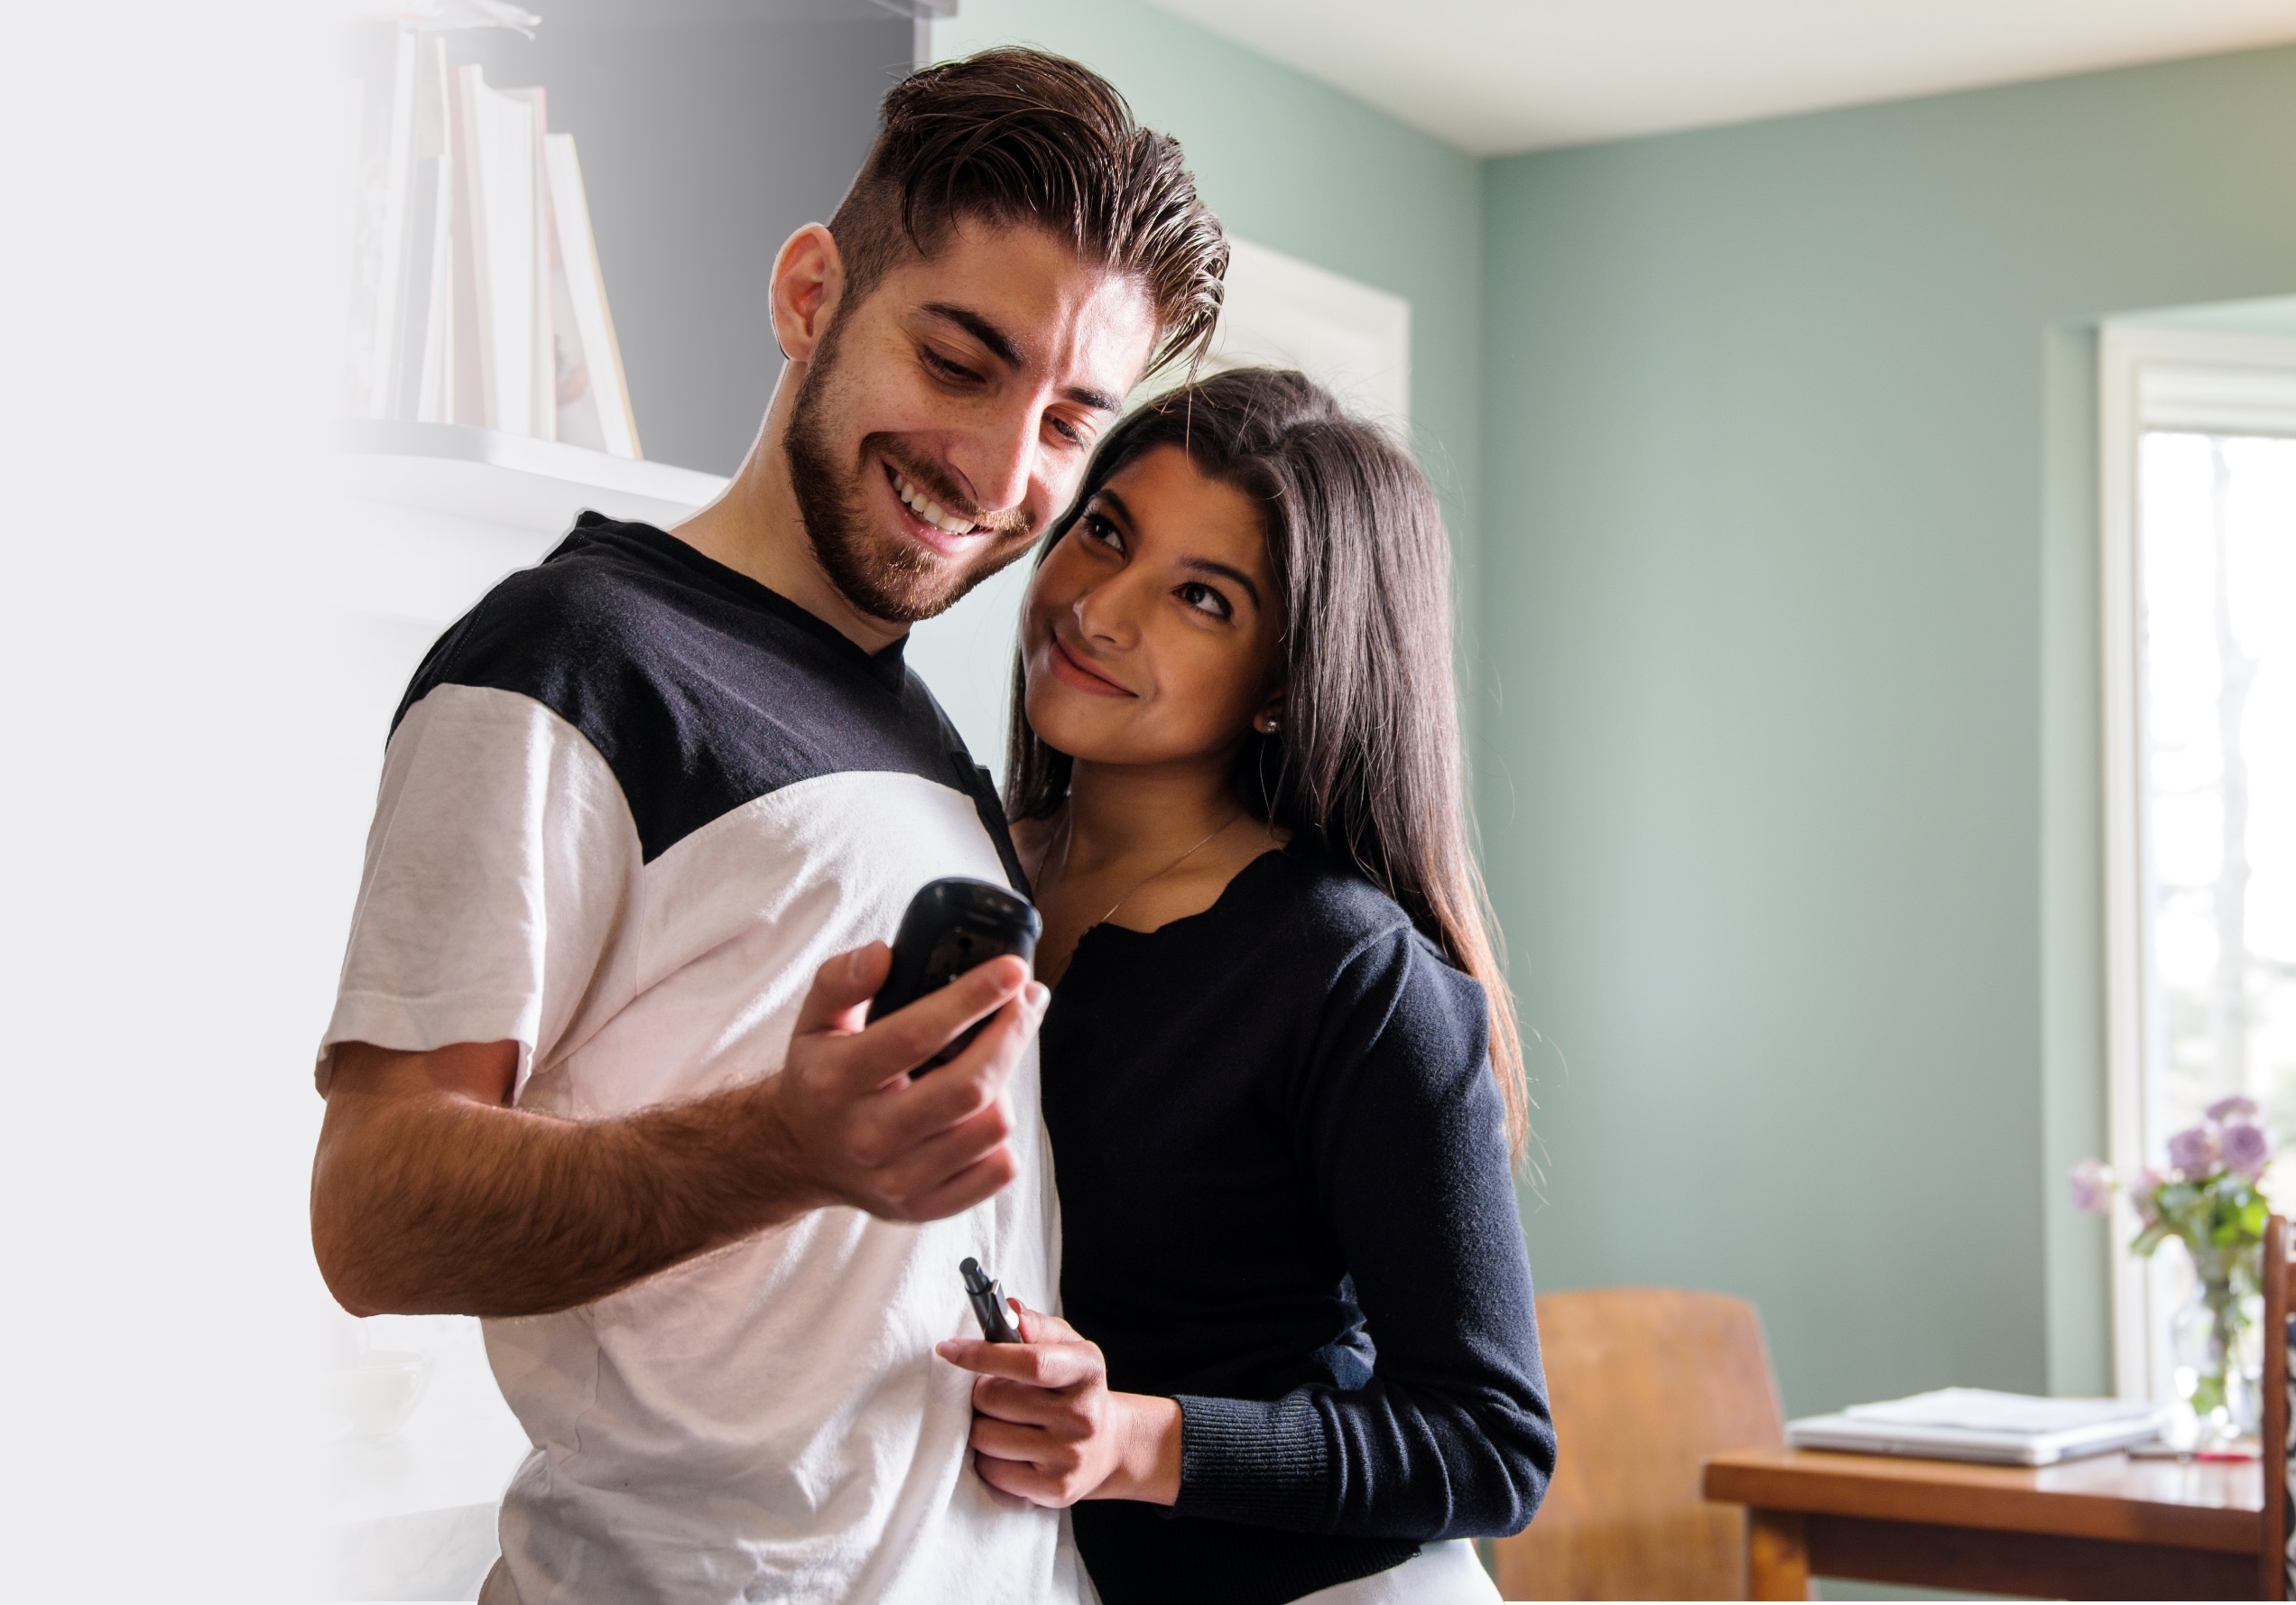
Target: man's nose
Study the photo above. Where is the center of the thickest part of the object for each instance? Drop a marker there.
(997, 463)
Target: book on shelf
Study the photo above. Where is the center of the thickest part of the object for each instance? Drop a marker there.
(475, 294)
(377, 106)
(593, 398)
(422, 377)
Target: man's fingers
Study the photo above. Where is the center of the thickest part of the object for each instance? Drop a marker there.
(841, 989)
(913, 1150)
(978, 1182)
(915, 1134)
(909, 1036)
(906, 1113)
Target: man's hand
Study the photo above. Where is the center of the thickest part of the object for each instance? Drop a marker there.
(1047, 1429)
(428, 1194)
(844, 1116)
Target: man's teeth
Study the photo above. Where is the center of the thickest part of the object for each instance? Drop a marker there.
(930, 510)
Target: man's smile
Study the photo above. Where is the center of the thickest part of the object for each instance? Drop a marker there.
(928, 521)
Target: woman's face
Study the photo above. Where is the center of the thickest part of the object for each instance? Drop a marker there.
(1153, 630)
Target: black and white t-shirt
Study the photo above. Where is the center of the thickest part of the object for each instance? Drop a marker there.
(631, 803)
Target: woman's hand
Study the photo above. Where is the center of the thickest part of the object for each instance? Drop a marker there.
(1046, 1428)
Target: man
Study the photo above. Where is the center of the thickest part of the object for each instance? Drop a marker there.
(641, 796)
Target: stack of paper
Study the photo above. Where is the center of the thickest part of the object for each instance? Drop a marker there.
(472, 276)
(1976, 1424)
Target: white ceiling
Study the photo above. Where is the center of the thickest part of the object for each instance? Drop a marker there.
(1495, 76)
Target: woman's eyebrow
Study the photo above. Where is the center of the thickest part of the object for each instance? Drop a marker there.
(1205, 565)
(1109, 498)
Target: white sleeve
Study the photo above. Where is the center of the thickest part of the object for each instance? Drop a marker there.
(501, 872)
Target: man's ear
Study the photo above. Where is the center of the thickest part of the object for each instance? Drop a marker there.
(809, 280)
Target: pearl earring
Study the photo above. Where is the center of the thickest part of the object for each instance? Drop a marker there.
(1271, 726)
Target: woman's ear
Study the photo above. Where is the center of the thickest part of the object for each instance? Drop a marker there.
(1269, 720)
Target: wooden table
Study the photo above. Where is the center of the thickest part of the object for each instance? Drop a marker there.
(2106, 1527)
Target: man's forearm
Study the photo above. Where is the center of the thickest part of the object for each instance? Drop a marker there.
(431, 1193)
(445, 1203)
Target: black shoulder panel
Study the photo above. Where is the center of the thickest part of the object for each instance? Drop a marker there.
(701, 689)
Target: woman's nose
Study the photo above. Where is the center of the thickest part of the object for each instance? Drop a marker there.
(1104, 613)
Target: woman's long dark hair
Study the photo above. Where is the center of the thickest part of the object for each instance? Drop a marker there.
(1367, 761)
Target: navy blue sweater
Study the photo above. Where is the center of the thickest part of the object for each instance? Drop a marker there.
(1285, 1201)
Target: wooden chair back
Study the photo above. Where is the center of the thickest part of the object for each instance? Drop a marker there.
(1645, 1383)
(2273, 1563)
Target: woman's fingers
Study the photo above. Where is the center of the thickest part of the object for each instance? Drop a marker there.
(1022, 1480)
(1052, 1453)
(1039, 1365)
(1039, 1409)
(1037, 1327)
(1063, 1412)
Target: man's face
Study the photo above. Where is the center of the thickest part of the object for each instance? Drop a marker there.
(947, 418)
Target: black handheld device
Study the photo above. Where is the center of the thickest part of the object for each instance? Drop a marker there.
(988, 1304)
(950, 926)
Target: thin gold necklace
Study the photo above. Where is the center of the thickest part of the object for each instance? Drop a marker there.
(1068, 839)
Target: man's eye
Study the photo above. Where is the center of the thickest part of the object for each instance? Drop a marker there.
(946, 370)
(1069, 433)
(1201, 596)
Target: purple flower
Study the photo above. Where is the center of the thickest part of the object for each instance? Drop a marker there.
(2238, 1107)
(2093, 1187)
(2247, 1149)
(2140, 1192)
(2195, 1151)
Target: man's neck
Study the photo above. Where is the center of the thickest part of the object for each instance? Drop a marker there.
(755, 529)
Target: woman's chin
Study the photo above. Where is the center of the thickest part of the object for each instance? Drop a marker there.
(1075, 725)
(1068, 738)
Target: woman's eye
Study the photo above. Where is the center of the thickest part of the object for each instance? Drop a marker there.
(1199, 595)
(1100, 528)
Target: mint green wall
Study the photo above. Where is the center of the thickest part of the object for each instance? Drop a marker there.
(1768, 453)
(1290, 163)
(1789, 591)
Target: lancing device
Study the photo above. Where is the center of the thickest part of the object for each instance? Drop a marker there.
(988, 1304)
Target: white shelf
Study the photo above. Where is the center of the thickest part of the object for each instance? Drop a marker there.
(509, 479)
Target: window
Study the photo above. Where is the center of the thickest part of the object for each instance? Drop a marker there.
(2198, 454)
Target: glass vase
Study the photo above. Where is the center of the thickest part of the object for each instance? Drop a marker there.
(2217, 1339)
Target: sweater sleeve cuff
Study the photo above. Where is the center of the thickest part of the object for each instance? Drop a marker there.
(1246, 1460)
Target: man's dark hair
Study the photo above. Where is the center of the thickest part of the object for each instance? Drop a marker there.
(1024, 137)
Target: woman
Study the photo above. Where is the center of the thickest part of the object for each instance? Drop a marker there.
(1280, 1074)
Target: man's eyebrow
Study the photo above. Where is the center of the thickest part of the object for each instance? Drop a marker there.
(1002, 347)
(1099, 401)
(1000, 343)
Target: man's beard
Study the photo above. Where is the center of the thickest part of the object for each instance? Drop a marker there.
(896, 581)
